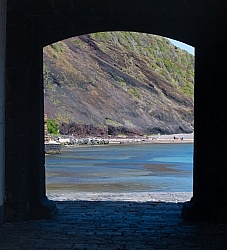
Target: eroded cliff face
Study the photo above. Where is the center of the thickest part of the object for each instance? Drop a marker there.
(125, 81)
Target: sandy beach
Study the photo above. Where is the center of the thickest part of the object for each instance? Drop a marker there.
(127, 196)
(173, 138)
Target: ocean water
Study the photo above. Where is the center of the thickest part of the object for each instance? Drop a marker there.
(122, 168)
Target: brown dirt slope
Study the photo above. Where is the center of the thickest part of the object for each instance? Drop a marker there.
(127, 81)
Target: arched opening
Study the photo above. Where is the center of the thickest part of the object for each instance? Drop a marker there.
(140, 68)
(31, 26)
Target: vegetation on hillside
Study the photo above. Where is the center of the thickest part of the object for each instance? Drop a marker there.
(52, 126)
(168, 61)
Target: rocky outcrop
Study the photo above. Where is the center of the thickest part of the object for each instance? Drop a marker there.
(83, 130)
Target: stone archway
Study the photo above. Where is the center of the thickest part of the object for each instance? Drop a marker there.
(32, 25)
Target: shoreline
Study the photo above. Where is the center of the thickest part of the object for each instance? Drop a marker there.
(173, 138)
(122, 196)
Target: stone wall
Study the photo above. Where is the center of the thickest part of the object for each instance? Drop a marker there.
(52, 148)
(2, 102)
(46, 135)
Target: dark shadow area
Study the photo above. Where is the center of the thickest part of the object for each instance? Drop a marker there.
(114, 225)
(34, 24)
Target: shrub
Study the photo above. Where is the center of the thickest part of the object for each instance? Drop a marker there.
(55, 47)
(52, 126)
(135, 92)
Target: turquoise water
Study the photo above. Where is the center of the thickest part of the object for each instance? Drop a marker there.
(122, 168)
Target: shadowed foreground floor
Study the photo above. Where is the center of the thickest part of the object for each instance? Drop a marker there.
(119, 225)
